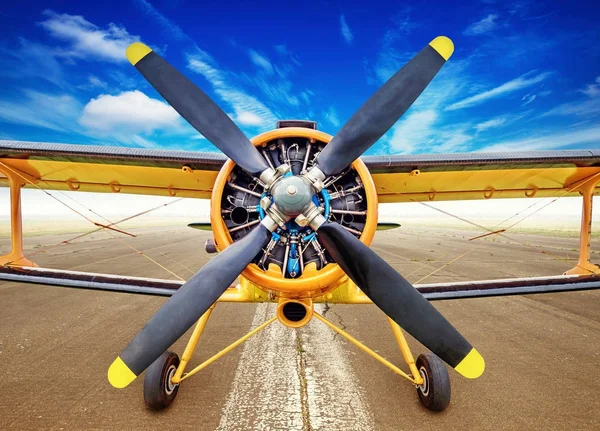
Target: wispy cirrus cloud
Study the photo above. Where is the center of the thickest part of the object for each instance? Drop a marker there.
(482, 26)
(519, 83)
(345, 30)
(528, 98)
(391, 57)
(57, 112)
(261, 61)
(93, 82)
(416, 129)
(593, 89)
(490, 124)
(289, 56)
(238, 89)
(589, 135)
(583, 108)
(168, 26)
(247, 109)
(86, 40)
(32, 60)
(331, 115)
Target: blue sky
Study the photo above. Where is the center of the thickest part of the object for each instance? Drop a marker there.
(525, 75)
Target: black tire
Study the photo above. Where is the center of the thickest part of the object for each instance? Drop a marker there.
(434, 393)
(159, 393)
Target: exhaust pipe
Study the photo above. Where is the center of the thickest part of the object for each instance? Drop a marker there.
(295, 313)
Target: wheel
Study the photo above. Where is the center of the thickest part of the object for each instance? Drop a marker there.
(159, 392)
(434, 393)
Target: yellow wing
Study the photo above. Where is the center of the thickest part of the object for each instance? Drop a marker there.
(110, 169)
(397, 178)
(443, 177)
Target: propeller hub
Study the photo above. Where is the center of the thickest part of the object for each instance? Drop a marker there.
(292, 195)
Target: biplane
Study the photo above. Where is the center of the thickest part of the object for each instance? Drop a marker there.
(293, 212)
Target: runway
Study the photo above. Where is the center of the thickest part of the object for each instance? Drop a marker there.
(542, 351)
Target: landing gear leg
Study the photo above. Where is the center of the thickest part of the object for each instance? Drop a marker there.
(429, 373)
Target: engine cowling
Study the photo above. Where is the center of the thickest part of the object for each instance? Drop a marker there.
(294, 262)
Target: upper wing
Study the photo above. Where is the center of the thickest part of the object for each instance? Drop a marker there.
(111, 169)
(397, 178)
(463, 176)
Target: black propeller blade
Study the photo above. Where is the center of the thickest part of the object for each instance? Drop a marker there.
(400, 300)
(384, 108)
(197, 108)
(185, 307)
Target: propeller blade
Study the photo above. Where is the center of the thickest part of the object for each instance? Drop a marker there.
(185, 307)
(197, 108)
(384, 108)
(400, 300)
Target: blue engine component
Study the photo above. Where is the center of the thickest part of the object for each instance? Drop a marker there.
(297, 235)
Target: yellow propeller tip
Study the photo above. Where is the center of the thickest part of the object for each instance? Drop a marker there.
(119, 374)
(136, 51)
(472, 365)
(443, 46)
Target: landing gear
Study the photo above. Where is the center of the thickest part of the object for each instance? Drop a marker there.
(159, 391)
(434, 392)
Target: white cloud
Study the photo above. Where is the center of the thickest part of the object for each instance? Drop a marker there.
(413, 132)
(589, 135)
(248, 119)
(130, 111)
(593, 89)
(508, 87)
(261, 61)
(87, 40)
(494, 122)
(332, 116)
(482, 26)
(346, 33)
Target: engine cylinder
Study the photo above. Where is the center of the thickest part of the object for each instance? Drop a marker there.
(294, 261)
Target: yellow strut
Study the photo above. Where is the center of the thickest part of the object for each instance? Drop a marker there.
(16, 256)
(192, 343)
(366, 349)
(224, 351)
(406, 353)
(584, 266)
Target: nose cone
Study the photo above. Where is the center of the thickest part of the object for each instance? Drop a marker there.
(292, 195)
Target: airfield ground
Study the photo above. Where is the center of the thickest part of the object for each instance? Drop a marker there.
(542, 352)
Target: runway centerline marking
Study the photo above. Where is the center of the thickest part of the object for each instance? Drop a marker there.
(295, 380)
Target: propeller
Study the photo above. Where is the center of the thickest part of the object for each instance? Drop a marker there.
(397, 298)
(185, 307)
(384, 108)
(380, 282)
(197, 108)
